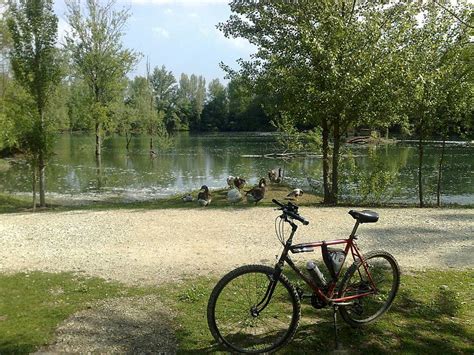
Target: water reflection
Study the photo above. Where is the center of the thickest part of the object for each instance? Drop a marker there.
(74, 171)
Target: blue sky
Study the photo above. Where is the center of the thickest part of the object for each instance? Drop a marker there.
(178, 34)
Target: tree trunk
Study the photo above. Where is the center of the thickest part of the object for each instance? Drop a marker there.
(326, 186)
(98, 143)
(420, 169)
(128, 140)
(34, 186)
(151, 144)
(386, 133)
(42, 179)
(98, 164)
(42, 163)
(335, 163)
(440, 173)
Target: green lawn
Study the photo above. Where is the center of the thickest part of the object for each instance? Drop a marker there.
(424, 319)
(432, 313)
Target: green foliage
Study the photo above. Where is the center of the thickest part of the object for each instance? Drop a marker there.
(99, 58)
(340, 65)
(376, 185)
(215, 112)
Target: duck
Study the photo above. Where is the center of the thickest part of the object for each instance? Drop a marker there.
(257, 193)
(230, 181)
(204, 196)
(239, 182)
(187, 198)
(234, 195)
(294, 194)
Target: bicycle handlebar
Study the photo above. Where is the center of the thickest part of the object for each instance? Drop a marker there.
(294, 215)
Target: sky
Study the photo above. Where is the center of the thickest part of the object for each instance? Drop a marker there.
(180, 34)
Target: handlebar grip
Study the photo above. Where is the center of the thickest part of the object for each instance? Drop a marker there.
(298, 218)
(277, 203)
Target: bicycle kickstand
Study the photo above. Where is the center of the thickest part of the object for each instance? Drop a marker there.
(336, 339)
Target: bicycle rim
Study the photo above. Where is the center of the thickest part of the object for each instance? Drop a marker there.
(232, 321)
(386, 276)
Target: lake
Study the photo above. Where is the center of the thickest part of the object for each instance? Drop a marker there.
(380, 173)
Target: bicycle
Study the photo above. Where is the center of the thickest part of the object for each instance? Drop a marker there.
(256, 309)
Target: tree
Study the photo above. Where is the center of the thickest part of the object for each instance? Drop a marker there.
(437, 80)
(215, 112)
(97, 52)
(164, 87)
(35, 63)
(322, 62)
(246, 111)
(142, 114)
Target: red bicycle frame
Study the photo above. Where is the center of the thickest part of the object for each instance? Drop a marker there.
(327, 295)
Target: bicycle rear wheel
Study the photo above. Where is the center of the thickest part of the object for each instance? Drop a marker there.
(231, 317)
(385, 274)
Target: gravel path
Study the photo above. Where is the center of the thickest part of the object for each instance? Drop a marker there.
(148, 247)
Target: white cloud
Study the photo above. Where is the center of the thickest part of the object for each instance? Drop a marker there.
(168, 11)
(179, 2)
(161, 32)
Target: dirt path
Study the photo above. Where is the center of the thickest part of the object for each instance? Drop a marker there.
(147, 247)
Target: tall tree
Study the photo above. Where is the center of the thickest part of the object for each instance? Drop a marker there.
(437, 79)
(164, 87)
(191, 95)
(321, 61)
(35, 63)
(216, 108)
(143, 115)
(100, 59)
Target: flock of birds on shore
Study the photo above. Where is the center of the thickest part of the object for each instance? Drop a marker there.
(237, 193)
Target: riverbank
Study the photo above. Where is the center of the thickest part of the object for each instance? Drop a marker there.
(155, 246)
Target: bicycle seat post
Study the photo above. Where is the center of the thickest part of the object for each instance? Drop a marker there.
(354, 230)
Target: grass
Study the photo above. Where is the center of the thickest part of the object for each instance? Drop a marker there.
(432, 313)
(33, 304)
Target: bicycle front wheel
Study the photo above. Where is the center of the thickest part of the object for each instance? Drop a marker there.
(385, 274)
(231, 314)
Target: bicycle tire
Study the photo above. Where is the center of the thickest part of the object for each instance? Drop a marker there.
(382, 300)
(228, 299)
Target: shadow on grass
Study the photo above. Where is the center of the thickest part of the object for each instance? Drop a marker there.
(410, 326)
(426, 319)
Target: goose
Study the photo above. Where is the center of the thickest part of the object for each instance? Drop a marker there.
(257, 193)
(204, 197)
(279, 177)
(294, 194)
(230, 181)
(187, 198)
(234, 195)
(239, 182)
(272, 175)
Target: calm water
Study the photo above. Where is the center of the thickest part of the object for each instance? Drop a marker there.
(383, 173)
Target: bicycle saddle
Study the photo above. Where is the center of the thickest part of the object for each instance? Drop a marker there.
(365, 216)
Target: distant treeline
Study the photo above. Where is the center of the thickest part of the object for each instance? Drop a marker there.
(183, 104)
